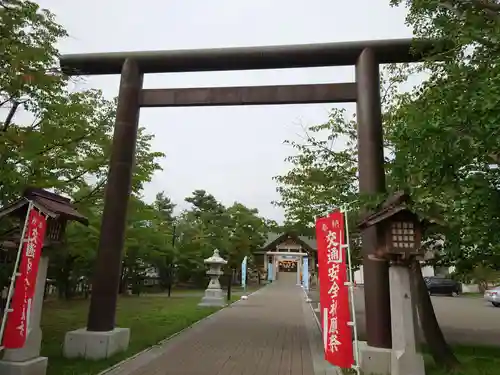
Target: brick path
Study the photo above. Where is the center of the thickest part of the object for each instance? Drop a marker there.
(268, 334)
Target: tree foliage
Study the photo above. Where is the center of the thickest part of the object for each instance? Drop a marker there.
(444, 133)
(54, 138)
(441, 141)
(28, 55)
(323, 177)
(236, 231)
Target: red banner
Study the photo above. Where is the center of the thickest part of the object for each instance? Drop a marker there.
(18, 319)
(334, 294)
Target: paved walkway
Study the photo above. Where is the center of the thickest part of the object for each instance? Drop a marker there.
(268, 334)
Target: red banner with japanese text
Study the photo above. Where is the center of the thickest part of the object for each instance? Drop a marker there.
(334, 294)
(18, 319)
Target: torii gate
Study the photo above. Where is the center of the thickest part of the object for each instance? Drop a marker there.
(365, 91)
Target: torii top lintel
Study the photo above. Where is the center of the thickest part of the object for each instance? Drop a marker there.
(246, 58)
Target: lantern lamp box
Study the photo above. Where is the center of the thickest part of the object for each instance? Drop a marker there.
(399, 229)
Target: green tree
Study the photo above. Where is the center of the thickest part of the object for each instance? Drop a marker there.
(323, 177)
(164, 205)
(146, 245)
(444, 134)
(247, 233)
(192, 246)
(62, 141)
(28, 57)
(167, 223)
(236, 231)
(211, 217)
(453, 161)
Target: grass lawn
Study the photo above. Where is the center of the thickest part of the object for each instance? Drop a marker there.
(150, 319)
(474, 361)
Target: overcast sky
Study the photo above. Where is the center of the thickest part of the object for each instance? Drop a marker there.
(232, 152)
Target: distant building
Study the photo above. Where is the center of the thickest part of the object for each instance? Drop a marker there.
(285, 251)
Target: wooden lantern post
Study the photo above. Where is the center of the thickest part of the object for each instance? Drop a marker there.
(399, 232)
(58, 211)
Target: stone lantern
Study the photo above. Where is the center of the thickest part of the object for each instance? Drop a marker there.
(213, 294)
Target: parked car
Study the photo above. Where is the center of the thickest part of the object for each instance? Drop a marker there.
(441, 285)
(493, 295)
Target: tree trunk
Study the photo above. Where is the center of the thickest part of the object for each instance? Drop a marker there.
(45, 291)
(439, 348)
(235, 276)
(122, 288)
(63, 278)
(482, 286)
(68, 289)
(170, 280)
(86, 289)
(70, 282)
(60, 290)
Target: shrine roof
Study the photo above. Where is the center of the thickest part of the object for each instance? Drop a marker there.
(274, 239)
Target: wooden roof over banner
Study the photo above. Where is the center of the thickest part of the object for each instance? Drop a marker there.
(400, 201)
(53, 205)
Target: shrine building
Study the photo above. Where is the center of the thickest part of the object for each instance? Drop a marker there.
(285, 252)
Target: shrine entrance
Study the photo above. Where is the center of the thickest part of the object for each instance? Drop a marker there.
(366, 56)
(285, 252)
(287, 265)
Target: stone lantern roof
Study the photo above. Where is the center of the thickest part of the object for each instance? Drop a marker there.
(215, 259)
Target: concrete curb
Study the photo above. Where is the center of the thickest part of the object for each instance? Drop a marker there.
(321, 367)
(313, 311)
(164, 341)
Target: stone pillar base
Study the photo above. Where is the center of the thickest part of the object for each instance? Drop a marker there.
(95, 345)
(35, 366)
(404, 363)
(406, 360)
(213, 297)
(374, 360)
